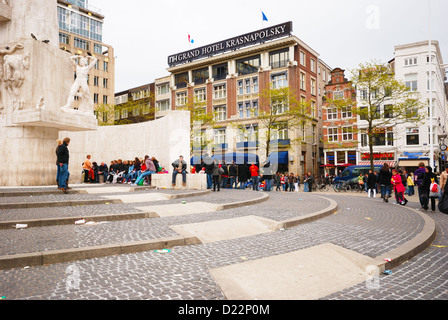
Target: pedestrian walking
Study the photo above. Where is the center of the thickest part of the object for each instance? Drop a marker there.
(63, 157)
(371, 185)
(384, 180)
(429, 181)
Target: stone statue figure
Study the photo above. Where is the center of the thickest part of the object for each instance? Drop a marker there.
(12, 74)
(80, 87)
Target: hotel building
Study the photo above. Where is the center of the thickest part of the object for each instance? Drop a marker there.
(81, 33)
(229, 83)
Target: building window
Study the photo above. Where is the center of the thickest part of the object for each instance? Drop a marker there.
(255, 84)
(303, 81)
(95, 98)
(412, 137)
(346, 112)
(104, 100)
(347, 133)
(279, 59)
(313, 86)
(219, 91)
(332, 113)
(279, 106)
(338, 95)
(105, 66)
(248, 65)
(313, 65)
(220, 136)
(82, 44)
(411, 82)
(163, 105)
(364, 140)
(200, 76)
(124, 113)
(220, 71)
(104, 117)
(363, 94)
(64, 38)
(163, 89)
(332, 134)
(280, 131)
(97, 48)
(220, 113)
(181, 99)
(302, 58)
(200, 95)
(410, 62)
(105, 82)
(388, 111)
(313, 109)
(247, 85)
(181, 80)
(240, 87)
(279, 81)
(249, 133)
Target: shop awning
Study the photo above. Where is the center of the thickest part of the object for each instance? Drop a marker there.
(391, 164)
(279, 157)
(239, 158)
(412, 162)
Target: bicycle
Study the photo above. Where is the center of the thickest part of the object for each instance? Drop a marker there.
(341, 186)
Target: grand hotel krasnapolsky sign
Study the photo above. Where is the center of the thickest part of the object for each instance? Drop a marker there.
(235, 43)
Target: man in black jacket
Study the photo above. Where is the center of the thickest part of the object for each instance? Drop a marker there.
(180, 167)
(233, 174)
(63, 157)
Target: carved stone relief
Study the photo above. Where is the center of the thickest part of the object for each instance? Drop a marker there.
(12, 76)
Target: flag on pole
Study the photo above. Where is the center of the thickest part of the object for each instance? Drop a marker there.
(264, 16)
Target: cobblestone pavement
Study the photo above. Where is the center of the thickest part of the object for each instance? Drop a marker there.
(367, 226)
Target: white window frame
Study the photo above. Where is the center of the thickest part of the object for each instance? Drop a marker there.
(220, 91)
(181, 99)
(332, 134)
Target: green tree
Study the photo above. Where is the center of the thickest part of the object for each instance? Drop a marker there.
(382, 102)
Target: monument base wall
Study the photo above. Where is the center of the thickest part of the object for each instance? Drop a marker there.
(165, 139)
(28, 155)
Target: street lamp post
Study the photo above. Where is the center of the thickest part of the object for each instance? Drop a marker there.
(431, 129)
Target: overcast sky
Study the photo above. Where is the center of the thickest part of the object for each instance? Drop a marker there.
(345, 32)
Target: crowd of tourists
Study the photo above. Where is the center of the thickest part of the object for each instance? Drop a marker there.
(220, 174)
(135, 172)
(223, 175)
(403, 183)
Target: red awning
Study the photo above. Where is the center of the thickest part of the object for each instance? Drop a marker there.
(391, 164)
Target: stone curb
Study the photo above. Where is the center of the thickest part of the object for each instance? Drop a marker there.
(227, 206)
(37, 193)
(37, 223)
(411, 248)
(72, 203)
(76, 254)
(294, 222)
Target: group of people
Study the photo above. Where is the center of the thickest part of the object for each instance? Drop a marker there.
(403, 183)
(128, 171)
(241, 176)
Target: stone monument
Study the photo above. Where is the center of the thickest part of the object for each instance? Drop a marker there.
(37, 92)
